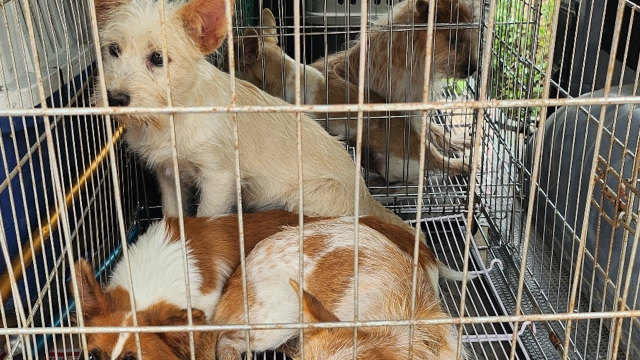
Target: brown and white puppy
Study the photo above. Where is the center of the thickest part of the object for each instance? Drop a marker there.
(396, 49)
(395, 150)
(131, 35)
(157, 272)
(384, 283)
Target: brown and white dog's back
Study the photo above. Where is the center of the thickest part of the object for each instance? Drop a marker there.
(385, 274)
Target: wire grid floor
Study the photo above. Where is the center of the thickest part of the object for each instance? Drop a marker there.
(548, 275)
(543, 269)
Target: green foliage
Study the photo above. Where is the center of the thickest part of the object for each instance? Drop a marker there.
(521, 45)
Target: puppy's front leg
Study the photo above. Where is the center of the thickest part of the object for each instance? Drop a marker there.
(217, 192)
(169, 196)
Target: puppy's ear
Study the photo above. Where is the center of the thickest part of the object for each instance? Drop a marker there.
(421, 11)
(269, 22)
(92, 300)
(444, 9)
(206, 22)
(313, 309)
(251, 50)
(178, 341)
(104, 9)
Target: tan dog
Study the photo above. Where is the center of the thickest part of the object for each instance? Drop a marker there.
(131, 36)
(384, 282)
(396, 57)
(395, 150)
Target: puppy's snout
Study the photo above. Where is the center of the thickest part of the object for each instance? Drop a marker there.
(118, 98)
(468, 70)
(473, 67)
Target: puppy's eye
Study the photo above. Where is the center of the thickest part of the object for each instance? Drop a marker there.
(129, 357)
(93, 355)
(156, 59)
(114, 50)
(453, 38)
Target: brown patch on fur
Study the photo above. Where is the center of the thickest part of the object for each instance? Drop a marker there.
(104, 8)
(337, 264)
(166, 345)
(403, 238)
(206, 22)
(214, 242)
(314, 245)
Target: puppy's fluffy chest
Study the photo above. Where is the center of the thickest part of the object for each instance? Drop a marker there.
(193, 139)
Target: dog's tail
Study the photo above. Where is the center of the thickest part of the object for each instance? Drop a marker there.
(448, 273)
(445, 141)
(449, 142)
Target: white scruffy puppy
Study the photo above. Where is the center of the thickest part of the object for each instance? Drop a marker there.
(131, 35)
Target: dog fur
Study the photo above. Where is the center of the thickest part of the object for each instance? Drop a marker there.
(396, 72)
(131, 38)
(212, 254)
(395, 151)
(396, 58)
(159, 289)
(385, 273)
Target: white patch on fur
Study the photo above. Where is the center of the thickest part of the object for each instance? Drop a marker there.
(122, 339)
(157, 271)
(312, 83)
(400, 169)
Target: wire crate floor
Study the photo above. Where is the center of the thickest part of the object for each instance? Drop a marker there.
(547, 287)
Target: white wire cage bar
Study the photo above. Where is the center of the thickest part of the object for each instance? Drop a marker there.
(547, 211)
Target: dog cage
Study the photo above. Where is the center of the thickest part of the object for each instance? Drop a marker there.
(546, 211)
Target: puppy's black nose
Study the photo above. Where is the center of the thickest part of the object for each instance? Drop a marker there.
(473, 67)
(117, 98)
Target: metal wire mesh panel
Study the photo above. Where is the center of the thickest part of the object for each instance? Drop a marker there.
(320, 179)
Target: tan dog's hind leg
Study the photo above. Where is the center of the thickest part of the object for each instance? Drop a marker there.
(435, 160)
(452, 142)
